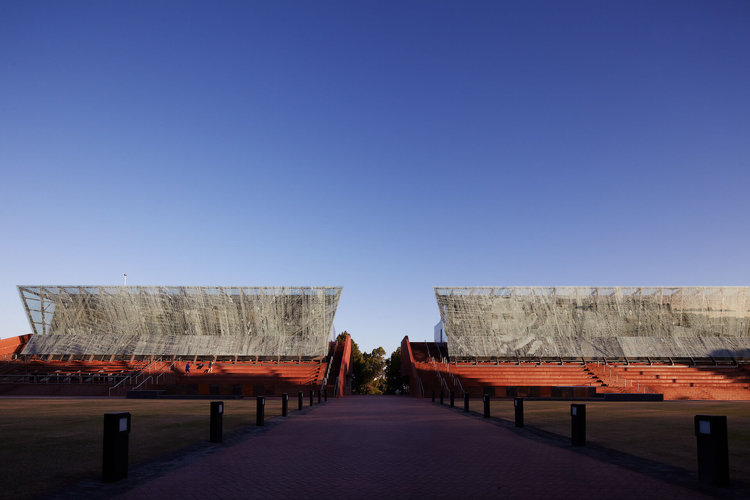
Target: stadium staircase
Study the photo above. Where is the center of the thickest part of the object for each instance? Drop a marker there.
(335, 380)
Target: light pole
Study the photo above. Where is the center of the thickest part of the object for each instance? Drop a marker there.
(124, 279)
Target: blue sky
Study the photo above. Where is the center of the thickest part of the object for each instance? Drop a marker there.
(386, 147)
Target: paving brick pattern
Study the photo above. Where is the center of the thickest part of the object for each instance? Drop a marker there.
(397, 447)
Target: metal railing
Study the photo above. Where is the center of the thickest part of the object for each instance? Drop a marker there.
(135, 388)
(133, 376)
(328, 368)
(164, 372)
(63, 378)
(454, 378)
(443, 383)
(611, 372)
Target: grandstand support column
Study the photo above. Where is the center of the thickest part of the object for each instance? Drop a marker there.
(319, 396)
(453, 399)
(486, 406)
(284, 404)
(325, 394)
(442, 399)
(466, 401)
(299, 401)
(312, 395)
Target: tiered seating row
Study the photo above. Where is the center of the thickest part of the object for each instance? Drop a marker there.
(66, 378)
(542, 375)
(680, 381)
(475, 378)
(70, 369)
(249, 379)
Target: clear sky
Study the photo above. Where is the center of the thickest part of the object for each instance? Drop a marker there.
(383, 146)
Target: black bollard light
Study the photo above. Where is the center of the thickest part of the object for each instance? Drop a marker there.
(578, 425)
(486, 406)
(299, 401)
(259, 411)
(115, 452)
(518, 405)
(312, 394)
(284, 404)
(319, 391)
(441, 396)
(713, 449)
(466, 401)
(453, 399)
(216, 425)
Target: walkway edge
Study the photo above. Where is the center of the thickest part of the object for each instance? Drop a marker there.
(164, 464)
(658, 470)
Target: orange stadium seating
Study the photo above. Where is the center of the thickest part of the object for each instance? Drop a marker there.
(429, 370)
(116, 377)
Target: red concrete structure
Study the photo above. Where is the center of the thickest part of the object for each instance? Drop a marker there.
(341, 368)
(430, 369)
(11, 347)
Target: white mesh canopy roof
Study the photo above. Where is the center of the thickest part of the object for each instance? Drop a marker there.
(181, 320)
(596, 321)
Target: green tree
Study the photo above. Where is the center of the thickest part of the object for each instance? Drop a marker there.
(368, 369)
(394, 382)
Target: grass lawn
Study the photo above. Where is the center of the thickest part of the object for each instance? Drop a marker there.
(49, 443)
(658, 431)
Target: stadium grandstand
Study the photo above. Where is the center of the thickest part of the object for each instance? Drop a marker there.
(176, 340)
(576, 342)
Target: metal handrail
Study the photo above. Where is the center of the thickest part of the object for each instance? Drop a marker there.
(63, 377)
(456, 379)
(328, 368)
(118, 384)
(626, 381)
(440, 376)
(150, 377)
(134, 375)
(165, 371)
(434, 365)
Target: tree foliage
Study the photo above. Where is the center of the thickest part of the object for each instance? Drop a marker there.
(368, 369)
(372, 373)
(394, 382)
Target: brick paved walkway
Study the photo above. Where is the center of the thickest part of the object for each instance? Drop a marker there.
(397, 447)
